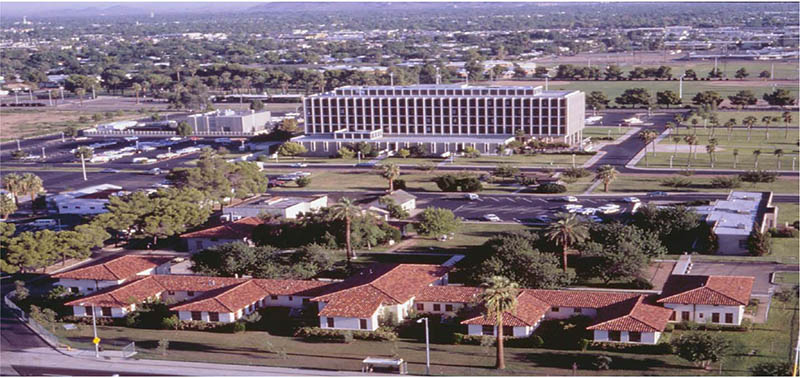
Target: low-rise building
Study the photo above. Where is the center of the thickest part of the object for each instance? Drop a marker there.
(734, 218)
(112, 272)
(229, 122)
(278, 206)
(707, 299)
(239, 230)
(86, 201)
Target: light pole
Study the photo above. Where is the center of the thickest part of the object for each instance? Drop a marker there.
(546, 81)
(594, 111)
(43, 156)
(95, 341)
(427, 347)
(680, 87)
(83, 166)
(391, 79)
(670, 161)
(359, 157)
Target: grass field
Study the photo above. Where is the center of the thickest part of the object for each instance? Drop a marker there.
(727, 144)
(787, 278)
(601, 131)
(783, 70)
(768, 342)
(739, 117)
(646, 183)
(470, 235)
(613, 89)
(25, 123)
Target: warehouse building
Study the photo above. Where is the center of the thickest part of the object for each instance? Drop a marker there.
(229, 121)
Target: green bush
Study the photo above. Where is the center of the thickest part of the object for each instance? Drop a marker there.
(338, 335)
(577, 172)
(676, 182)
(303, 181)
(772, 369)
(660, 348)
(758, 176)
(783, 232)
(551, 187)
(725, 182)
(239, 327)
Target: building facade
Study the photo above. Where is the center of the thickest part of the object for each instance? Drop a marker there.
(444, 118)
(229, 121)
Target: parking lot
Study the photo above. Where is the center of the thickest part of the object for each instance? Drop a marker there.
(521, 209)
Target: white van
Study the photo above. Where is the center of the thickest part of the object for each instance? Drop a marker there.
(471, 196)
(44, 222)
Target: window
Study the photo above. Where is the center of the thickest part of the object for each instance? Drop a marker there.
(170, 292)
(88, 310)
(672, 316)
(685, 316)
(728, 318)
(190, 293)
(420, 307)
(273, 297)
(362, 323)
(576, 310)
(614, 335)
(487, 330)
(330, 322)
(555, 309)
(437, 307)
(635, 337)
(700, 315)
(290, 298)
(196, 315)
(213, 316)
(106, 311)
(74, 289)
(715, 317)
(448, 307)
(306, 300)
(508, 331)
(90, 288)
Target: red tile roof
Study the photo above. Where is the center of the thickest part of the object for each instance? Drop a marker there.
(195, 283)
(632, 315)
(580, 298)
(389, 284)
(120, 268)
(228, 299)
(123, 295)
(239, 229)
(528, 312)
(453, 294)
(300, 288)
(707, 290)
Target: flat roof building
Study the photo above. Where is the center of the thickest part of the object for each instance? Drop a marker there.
(734, 218)
(279, 206)
(445, 118)
(229, 122)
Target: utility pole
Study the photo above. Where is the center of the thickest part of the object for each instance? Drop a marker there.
(772, 72)
(437, 76)
(94, 328)
(427, 347)
(43, 155)
(30, 94)
(83, 167)
(391, 79)
(62, 94)
(18, 145)
(680, 87)
(546, 81)
(50, 97)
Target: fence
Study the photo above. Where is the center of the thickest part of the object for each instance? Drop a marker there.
(38, 328)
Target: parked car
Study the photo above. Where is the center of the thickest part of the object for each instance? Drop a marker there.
(594, 219)
(45, 222)
(570, 199)
(588, 211)
(110, 170)
(657, 194)
(631, 200)
(543, 219)
(300, 165)
(471, 196)
(131, 138)
(572, 206)
(492, 218)
(155, 171)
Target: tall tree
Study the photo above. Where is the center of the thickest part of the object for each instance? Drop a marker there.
(787, 119)
(499, 297)
(32, 185)
(756, 154)
(12, 182)
(766, 120)
(7, 206)
(778, 155)
(566, 231)
(606, 174)
(346, 210)
(749, 122)
(390, 172)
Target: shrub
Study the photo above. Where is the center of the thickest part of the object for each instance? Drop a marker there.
(601, 362)
(676, 182)
(669, 327)
(338, 335)
(726, 182)
(772, 369)
(20, 291)
(172, 322)
(758, 176)
(551, 187)
(660, 348)
(163, 345)
(577, 172)
(303, 181)
(783, 232)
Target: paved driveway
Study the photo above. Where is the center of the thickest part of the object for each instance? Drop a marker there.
(761, 271)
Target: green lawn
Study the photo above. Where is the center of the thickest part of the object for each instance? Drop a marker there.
(787, 278)
(783, 70)
(613, 89)
(769, 342)
(469, 236)
(602, 131)
(646, 183)
(739, 116)
(490, 161)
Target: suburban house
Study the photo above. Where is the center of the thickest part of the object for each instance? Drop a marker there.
(278, 206)
(86, 201)
(707, 299)
(113, 272)
(239, 230)
(401, 198)
(733, 219)
(380, 292)
(391, 292)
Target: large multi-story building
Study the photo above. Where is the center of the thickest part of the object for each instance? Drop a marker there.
(444, 118)
(228, 121)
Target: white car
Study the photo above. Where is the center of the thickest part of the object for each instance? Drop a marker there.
(471, 196)
(588, 211)
(492, 218)
(609, 210)
(631, 200)
(131, 138)
(543, 219)
(300, 165)
(570, 199)
(572, 206)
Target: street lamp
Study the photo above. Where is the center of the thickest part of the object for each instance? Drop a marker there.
(680, 86)
(94, 330)
(546, 81)
(427, 347)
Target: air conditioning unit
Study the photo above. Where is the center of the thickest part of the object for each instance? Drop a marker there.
(741, 226)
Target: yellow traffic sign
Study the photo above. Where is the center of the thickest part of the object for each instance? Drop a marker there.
(96, 340)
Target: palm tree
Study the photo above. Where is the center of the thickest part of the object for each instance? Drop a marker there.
(766, 120)
(13, 183)
(566, 231)
(499, 297)
(735, 157)
(80, 92)
(756, 154)
(787, 118)
(606, 174)
(391, 172)
(647, 137)
(778, 155)
(749, 121)
(690, 140)
(32, 185)
(711, 147)
(676, 140)
(729, 125)
(136, 87)
(346, 209)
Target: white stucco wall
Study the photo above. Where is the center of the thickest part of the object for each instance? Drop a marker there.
(477, 330)
(428, 308)
(350, 323)
(224, 317)
(647, 337)
(86, 286)
(283, 301)
(116, 312)
(703, 313)
(568, 312)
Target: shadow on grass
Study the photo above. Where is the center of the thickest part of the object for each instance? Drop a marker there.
(585, 361)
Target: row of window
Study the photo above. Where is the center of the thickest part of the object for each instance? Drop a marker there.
(369, 111)
(104, 311)
(438, 92)
(462, 130)
(715, 316)
(488, 330)
(436, 102)
(77, 207)
(362, 323)
(436, 307)
(633, 337)
(316, 120)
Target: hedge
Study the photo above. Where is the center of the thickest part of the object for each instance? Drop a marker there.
(344, 336)
(532, 341)
(692, 326)
(661, 348)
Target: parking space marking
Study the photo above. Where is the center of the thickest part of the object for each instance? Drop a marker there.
(542, 199)
(526, 200)
(510, 199)
(494, 199)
